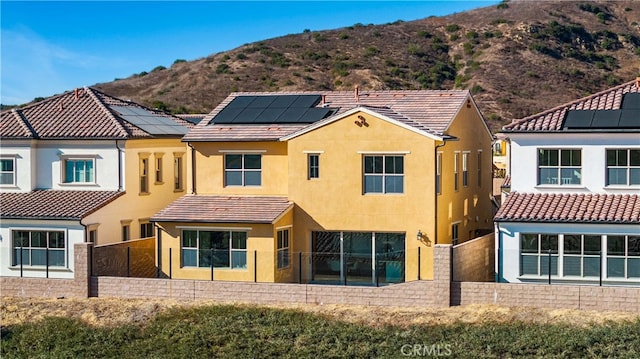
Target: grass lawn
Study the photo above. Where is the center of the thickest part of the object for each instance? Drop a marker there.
(239, 331)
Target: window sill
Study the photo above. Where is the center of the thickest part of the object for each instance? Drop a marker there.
(557, 279)
(41, 268)
(9, 186)
(622, 187)
(178, 190)
(144, 193)
(559, 186)
(383, 194)
(217, 268)
(79, 184)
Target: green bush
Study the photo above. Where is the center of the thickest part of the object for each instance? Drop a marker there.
(452, 27)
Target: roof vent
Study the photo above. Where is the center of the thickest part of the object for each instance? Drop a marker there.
(356, 93)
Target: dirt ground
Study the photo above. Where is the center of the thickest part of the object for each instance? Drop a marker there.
(112, 312)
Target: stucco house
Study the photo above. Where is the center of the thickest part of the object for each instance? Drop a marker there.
(82, 166)
(329, 187)
(573, 211)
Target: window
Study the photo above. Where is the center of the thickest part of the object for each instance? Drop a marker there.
(383, 174)
(559, 166)
(283, 248)
(220, 249)
(144, 175)
(242, 170)
(623, 167)
(93, 236)
(313, 165)
(479, 168)
(39, 248)
(158, 161)
(78, 170)
(581, 255)
(8, 171)
(623, 257)
(126, 231)
(178, 181)
(439, 173)
(455, 232)
(456, 159)
(465, 169)
(146, 230)
(535, 252)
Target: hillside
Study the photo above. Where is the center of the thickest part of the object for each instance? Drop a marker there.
(517, 58)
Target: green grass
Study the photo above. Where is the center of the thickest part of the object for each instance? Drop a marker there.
(241, 332)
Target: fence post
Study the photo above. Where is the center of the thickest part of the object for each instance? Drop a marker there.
(21, 259)
(419, 263)
(212, 264)
(377, 270)
(549, 265)
(170, 264)
(46, 261)
(255, 266)
(91, 261)
(128, 262)
(601, 267)
(299, 267)
(344, 269)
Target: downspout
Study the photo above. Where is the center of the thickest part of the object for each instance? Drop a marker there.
(435, 197)
(120, 152)
(193, 169)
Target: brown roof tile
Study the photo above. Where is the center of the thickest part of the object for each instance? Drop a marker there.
(223, 209)
(570, 208)
(223, 133)
(13, 125)
(427, 110)
(53, 204)
(551, 120)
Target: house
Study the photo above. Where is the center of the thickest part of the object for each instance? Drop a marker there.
(329, 187)
(82, 166)
(573, 213)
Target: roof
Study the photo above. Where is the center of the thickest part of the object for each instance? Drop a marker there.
(552, 120)
(53, 204)
(224, 209)
(84, 113)
(570, 208)
(430, 111)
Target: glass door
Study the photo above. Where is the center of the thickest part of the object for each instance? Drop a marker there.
(358, 257)
(326, 261)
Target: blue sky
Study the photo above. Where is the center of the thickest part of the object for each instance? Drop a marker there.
(52, 46)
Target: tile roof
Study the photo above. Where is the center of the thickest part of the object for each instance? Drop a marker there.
(570, 208)
(224, 209)
(241, 132)
(428, 110)
(79, 114)
(53, 204)
(507, 182)
(551, 120)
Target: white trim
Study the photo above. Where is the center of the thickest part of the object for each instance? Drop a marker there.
(383, 152)
(12, 157)
(202, 228)
(284, 227)
(242, 151)
(313, 152)
(353, 111)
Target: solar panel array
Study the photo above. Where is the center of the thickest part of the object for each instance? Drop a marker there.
(628, 117)
(272, 109)
(149, 122)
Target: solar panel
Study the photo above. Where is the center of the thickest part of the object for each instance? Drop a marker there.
(272, 109)
(261, 102)
(270, 115)
(630, 119)
(283, 101)
(306, 101)
(631, 101)
(578, 119)
(227, 115)
(248, 115)
(240, 102)
(606, 119)
(150, 122)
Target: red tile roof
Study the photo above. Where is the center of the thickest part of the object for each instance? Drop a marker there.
(570, 208)
(53, 204)
(79, 114)
(551, 120)
(241, 132)
(224, 209)
(428, 110)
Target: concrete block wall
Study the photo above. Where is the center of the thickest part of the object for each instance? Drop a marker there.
(473, 261)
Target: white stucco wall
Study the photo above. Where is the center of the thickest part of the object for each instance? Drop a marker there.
(524, 160)
(74, 233)
(508, 246)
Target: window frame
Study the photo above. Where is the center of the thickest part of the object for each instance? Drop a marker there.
(158, 162)
(143, 173)
(558, 180)
(283, 247)
(383, 174)
(625, 257)
(628, 167)
(439, 173)
(13, 171)
(125, 230)
(146, 229)
(178, 172)
(455, 232)
(539, 254)
(64, 161)
(456, 170)
(582, 255)
(313, 169)
(242, 169)
(232, 249)
(465, 168)
(18, 261)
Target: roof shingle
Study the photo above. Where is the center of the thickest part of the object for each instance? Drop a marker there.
(224, 209)
(54, 204)
(570, 208)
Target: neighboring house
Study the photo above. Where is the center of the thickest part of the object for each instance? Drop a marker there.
(329, 187)
(574, 206)
(82, 166)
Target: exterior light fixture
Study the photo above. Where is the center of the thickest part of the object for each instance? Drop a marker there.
(419, 235)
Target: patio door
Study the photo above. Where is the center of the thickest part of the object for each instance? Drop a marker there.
(358, 257)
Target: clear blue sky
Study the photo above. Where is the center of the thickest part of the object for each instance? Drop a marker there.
(51, 47)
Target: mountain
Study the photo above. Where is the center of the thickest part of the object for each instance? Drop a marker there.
(517, 58)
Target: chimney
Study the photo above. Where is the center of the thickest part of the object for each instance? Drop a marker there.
(357, 94)
(638, 82)
(324, 100)
(75, 93)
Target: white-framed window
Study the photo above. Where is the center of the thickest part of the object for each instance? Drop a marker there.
(623, 256)
(144, 174)
(313, 165)
(559, 166)
(158, 168)
(242, 169)
(439, 173)
(7, 171)
(534, 254)
(78, 170)
(456, 171)
(479, 168)
(284, 255)
(383, 174)
(465, 169)
(581, 255)
(220, 249)
(178, 172)
(455, 233)
(146, 229)
(39, 248)
(623, 167)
